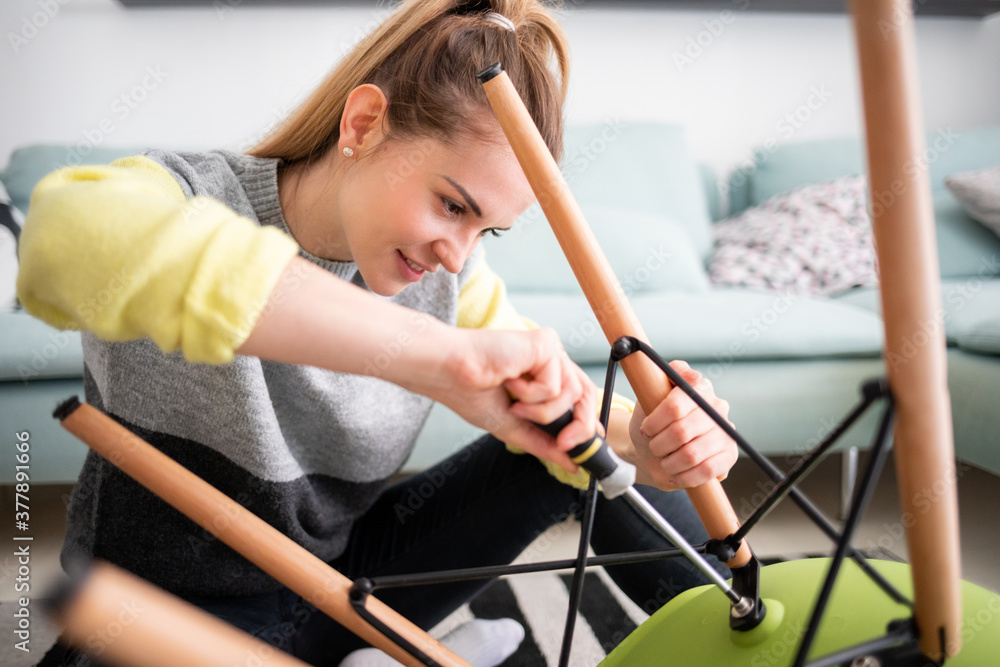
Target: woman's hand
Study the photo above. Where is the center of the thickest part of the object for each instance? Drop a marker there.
(678, 445)
(490, 367)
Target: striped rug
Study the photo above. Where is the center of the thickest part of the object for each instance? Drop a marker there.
(539, 603)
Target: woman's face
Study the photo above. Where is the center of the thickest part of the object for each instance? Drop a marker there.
(420, 206)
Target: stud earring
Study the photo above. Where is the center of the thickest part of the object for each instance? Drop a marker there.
(348, 151)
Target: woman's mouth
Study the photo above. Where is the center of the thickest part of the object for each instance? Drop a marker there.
(410, 269)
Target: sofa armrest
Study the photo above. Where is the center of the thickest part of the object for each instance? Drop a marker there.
(32, 350)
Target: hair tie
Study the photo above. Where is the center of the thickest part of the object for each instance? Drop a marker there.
(500, 20)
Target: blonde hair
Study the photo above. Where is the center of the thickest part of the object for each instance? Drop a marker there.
(424, 58)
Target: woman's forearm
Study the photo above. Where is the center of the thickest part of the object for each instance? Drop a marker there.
(314, 318)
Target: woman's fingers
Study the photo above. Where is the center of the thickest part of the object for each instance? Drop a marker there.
(527, 436)
(678, 405)
(679, 432)
(543, 399)
(585, 422)
(543, 378)
(579, 395)
(716, 466)
(522, 379)
(685, 446)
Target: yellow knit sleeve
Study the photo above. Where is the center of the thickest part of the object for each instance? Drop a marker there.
(483, 304)
(117, 250)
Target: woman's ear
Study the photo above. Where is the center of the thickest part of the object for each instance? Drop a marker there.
(361, 125)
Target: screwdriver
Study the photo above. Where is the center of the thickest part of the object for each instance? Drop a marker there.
(617, 478)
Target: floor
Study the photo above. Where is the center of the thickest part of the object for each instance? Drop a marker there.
(785, 532)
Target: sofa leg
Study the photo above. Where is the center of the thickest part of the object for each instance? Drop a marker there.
(848, 476)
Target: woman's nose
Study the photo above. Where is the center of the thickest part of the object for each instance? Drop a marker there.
(454, 250)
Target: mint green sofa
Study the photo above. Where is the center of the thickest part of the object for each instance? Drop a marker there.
(791, 368)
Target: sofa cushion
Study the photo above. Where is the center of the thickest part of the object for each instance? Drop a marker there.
(981, 338)
(867, 298)
(638, 167)
(970, 309)
(28, 165)
(965, 247)
(970, 306)
(722, 325)
(33, 350)
(974, 384)
(646, 252)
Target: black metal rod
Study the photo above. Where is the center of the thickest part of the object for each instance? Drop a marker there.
(576, 589)
(891, 640)
(803, 467)
(490, 572)
(358, 595)
(609, 388)
(772, 471)
(861, 499)
(831, 532)
(586, 527)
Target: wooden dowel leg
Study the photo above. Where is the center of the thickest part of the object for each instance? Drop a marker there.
(903, 224)
(247, 534)
(598, 281)
(118, 619)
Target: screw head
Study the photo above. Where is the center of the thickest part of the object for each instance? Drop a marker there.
(741, 608)
(866, 661)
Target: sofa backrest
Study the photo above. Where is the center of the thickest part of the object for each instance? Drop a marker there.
(641, 167)
(644, 168)
(644, 197)
(965, 247)
(637, 184)
(27, 165)
(788, 166)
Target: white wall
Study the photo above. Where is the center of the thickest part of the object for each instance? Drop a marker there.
(95, 73)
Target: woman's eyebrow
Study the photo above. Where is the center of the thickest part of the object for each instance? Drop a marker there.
(468, 198)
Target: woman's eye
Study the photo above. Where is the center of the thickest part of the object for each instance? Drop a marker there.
(451, 208)
(492, 230)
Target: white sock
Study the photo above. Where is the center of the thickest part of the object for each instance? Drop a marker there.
(481, 642)
(485, 643)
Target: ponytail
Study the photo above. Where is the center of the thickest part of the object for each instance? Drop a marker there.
(424, 58)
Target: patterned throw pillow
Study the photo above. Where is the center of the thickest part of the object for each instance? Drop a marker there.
(11, 222)
(816, 240)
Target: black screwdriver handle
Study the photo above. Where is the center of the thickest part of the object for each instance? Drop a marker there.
(593, 455)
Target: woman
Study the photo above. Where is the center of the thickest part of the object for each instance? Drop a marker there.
(288, 384)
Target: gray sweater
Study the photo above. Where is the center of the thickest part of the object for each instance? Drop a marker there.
(305, 449)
